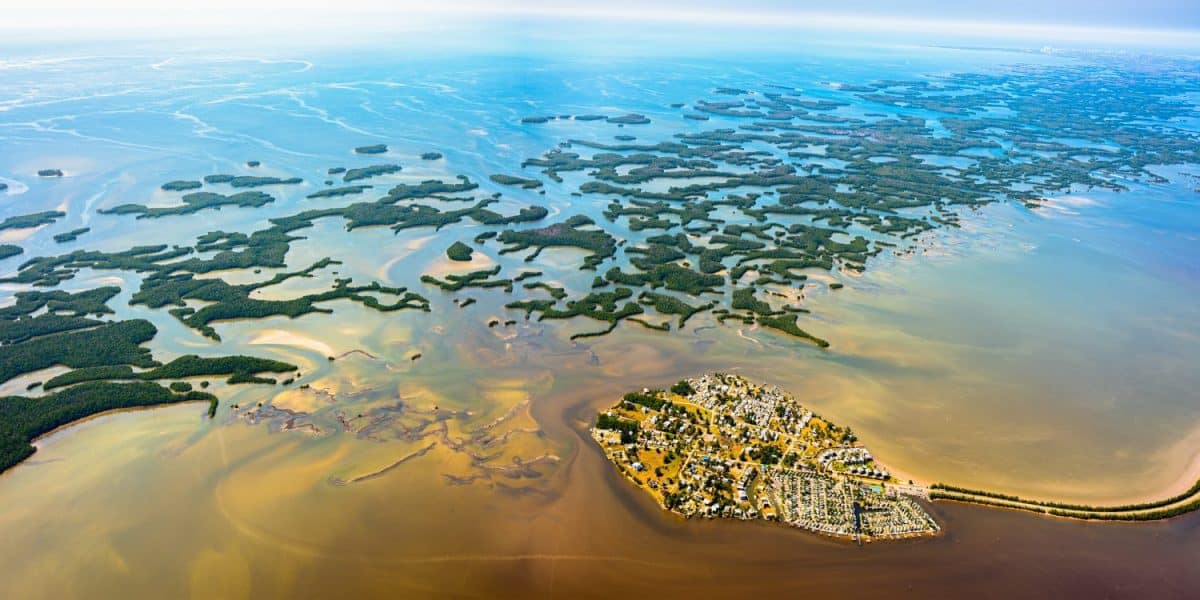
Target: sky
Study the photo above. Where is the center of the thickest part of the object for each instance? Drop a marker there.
(1175, 22)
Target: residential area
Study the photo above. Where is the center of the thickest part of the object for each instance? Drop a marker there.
(722, 446)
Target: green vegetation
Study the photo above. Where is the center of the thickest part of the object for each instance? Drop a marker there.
(347, 190)
(787, 324)
(565, 234)
(23, 419)
(627, 428)
(431, 155)
(601, 306)
(181, 185)
(670, 275)
(228, 302)
(648, 325)
(555, 292)
(9, 250)
(460, 252)
(193, 203)
(959, 493)
(238, 369)
(63, 312)
(117, 343)
(50, 173)
(19, 330)
(70, 236)
(1150, 511)
(86, 302)
(374, 149)
(669, 305)
(369, 172)
(32, 220)
(476, 279)
(629, 119)
(250, 181)
(528, 184)
(743, 299)
(652, 400)
(683, 388)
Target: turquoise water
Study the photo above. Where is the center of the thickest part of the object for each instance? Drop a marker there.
(1091, 294)
(1046, 352)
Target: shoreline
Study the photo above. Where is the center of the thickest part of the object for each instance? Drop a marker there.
(66, 428)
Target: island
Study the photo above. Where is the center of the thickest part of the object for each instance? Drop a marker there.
(50, 173)
(460, 252)
(373, 149)
(181, 185)
(721, 446)
(192, 203)
(368, 172)
(70, 236)
(32, 220)
(8, 250)
(250, 181)
(522, 182)
(629, 119)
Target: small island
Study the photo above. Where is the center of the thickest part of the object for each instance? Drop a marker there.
(522, 182)
(373, 149)
(722, 446)
(32, 220)
(50, 173)
(181, 185)
(70, 236)
(8, 250)
(629, 119)
(460, 252)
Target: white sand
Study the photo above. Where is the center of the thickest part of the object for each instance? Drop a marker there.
(279, 337)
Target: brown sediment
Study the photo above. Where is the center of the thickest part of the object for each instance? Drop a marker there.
(381, 472)
(502, 418)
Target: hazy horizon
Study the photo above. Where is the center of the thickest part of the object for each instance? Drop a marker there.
(1154, 23)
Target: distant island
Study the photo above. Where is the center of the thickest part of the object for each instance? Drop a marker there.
(31, 220)
(70, 236)
(9, 250)
(375, 149)
(181, 185)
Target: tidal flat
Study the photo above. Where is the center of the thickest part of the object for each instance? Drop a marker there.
(1019, 321)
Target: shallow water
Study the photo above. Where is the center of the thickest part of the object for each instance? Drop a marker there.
(1046, 354)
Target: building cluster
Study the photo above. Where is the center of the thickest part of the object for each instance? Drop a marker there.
(721, 446)
(854, 461)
